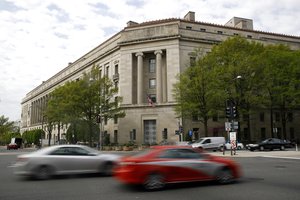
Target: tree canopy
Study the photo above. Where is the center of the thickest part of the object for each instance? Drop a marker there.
(251, 75)
(83, 102)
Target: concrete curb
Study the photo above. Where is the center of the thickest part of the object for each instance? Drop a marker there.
(274, 154)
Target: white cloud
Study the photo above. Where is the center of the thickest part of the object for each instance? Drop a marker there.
(39, 37)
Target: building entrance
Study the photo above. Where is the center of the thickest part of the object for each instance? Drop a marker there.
(150, 132)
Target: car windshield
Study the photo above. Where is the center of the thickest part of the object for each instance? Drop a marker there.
(266, 141)
(198, 141)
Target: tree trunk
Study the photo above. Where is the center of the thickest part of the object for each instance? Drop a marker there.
(283, 123)
(58, 132)
(50, 136)
(272, 121)
(205, 126)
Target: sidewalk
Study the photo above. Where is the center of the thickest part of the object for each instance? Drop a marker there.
(291, 154)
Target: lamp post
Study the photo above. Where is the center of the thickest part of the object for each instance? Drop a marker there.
(239, 78)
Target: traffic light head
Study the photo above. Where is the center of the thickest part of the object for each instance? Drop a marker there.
(234, 112)
(228, 112)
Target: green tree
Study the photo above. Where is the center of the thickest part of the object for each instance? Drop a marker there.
(281, 81)
(193, 92)
(7, 130)
(231, 70)
(238, 75)
(85, 100)
(6, 125)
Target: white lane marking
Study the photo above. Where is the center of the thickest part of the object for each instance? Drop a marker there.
(294, 158)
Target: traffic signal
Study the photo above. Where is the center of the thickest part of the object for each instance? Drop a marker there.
(234, 112)
(228, 112)
(180, 129)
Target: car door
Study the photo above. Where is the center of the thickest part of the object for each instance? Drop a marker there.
(182, 165)
(70, 160)
(207, 144)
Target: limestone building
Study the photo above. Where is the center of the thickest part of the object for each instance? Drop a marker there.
(143, 60)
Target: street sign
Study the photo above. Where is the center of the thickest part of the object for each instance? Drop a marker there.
(227, 126)
(232, 136)
(190, 133)
(235, 125)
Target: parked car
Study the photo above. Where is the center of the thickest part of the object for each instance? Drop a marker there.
(12, 146)
(210, 143)
(161, 165)
(270, 144)
(64, 159)
(240, 146)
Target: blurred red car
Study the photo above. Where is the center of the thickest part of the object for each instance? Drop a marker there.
(160, 165)
(12, 146)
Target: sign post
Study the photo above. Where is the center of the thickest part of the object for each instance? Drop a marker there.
(232, 136)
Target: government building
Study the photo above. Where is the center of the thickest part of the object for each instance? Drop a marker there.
(143, 60)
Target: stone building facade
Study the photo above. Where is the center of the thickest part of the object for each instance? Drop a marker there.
(143, 60)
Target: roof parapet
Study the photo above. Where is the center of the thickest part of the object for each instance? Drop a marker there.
(241, 23)
(190, 16)
(131, 23)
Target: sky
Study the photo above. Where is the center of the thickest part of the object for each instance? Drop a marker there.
(38, 38)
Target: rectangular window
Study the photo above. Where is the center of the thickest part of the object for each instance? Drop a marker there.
(292, 133)
(279, 132)
(153, 97)
(165, 134)
(246, 134)
(133, 134)
(152, 65)
(116, 136)
(115, 119)
(195, 118)
(107, 71)
(220, 32)
(249, 36)
(116, 69)
(215, 132)
(202, 29)
(290, 117)
(262, 117)
(152, 83)
(277, 116)
(189, 27)
(263, 133)
(105, 120)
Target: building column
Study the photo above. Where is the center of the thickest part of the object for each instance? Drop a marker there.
(31, 113)
(164, 83)
(140, 74)
(159, 88)
(34, 113)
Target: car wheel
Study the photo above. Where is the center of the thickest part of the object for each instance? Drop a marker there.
(282, 148)
(154, 182)
(224, 176)
(107, 169)
(43, 173)
(261, 148)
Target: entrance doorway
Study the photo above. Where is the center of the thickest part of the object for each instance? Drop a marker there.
(150, 132)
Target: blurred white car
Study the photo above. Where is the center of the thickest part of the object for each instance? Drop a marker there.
(239, 146)
(64, 160)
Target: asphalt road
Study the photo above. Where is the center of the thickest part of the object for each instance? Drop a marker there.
(264, 178)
